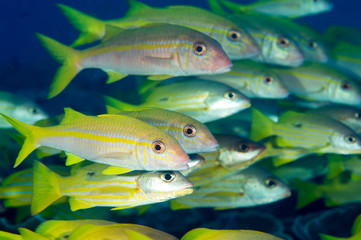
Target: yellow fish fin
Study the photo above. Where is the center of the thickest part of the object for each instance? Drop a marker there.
(135, 7)
(307, 193)
(30, 140)
(159, 77)
(113, 170)
(71, 115)
(46, 189)
(72, 159)
(216, 7)
(26, 234)
(76, 204)
(175, 205)
(278, 161)
(114, 76)
(9, 236)
(91, 29)
(111, 31)
(112, 110)
(328, 237)
(13, 202)
(261, 126)
(147, 85)
(135, 235)
(335, 166)
(122, 207)
(65, 55)
(122, 106)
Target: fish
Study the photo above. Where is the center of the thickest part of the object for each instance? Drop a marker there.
(250, 187)
(116, 140)
(25, 234)
(162, 50)
(319, 82)
(236, 41)
(339, 164)
(281, 8)
(276, 45)
(87, 187)
(21, 108)
(316, 133)
(355, 232)
(192, 135)
(348, 115)
(16, 189)
(254, 80)
(202, 100)
(205, 234)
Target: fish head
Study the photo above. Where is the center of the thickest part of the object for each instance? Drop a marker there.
(237, 43)
(267, 84)
(345, 141)
(347, 91)
(262, 187)
(224, 101)
(317, 6)
(314, 50)
(203, 55)
(281, 50)
(164, 185)
(235, 150)
(29, 113)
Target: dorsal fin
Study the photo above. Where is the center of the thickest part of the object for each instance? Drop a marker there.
(136, 7)
(111, 31)
(71, 115)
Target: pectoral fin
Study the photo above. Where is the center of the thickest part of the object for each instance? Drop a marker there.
(76, 204)
(114, 76)
(72, 159)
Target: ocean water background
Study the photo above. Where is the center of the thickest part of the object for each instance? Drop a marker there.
(27, 69)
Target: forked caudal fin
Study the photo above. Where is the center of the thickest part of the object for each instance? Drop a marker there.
(121, 106)
(261, 126)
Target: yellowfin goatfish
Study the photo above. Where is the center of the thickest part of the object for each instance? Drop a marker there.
(250, 187)
(17, 188)
(163, 50)
(319, 82)
(254, 80)
(276, 45)
(116, 140)
(355, 231)
(207, 234)
(236, 42)
(282, 8)
(348, 57)
(20, 108)
(88, 187)
(348, 115)
(317, 133)
(191, 134)
(204, 101)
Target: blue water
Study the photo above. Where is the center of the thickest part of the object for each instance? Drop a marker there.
(27, 69)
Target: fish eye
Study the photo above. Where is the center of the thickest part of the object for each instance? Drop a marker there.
(199, 48)
(313, 45)
(283, 42)
(345, 86)
(358, 115)
(189, 131)
(268, 79)
(167, 176)
(34, 110)
(234, 36)
(230, 95)
(270, 183)
(243, 147)
(350, 139)
(158, 146)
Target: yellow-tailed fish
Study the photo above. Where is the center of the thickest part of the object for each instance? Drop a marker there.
(211, 234)
(316, 133)
(19, 107)
(115, 140)
(202, 100)
(319, 82)
(338, 164)
(250, 187)
(10, 236)
(276, 45)
(282, 8)
(349, 115)
(61, 229)
(355, 231)
(88, 187)
(236, 42)
(347, 57)
(254, 80)
(192, 135)
(161, 50)
(17, 188)
(26, 234)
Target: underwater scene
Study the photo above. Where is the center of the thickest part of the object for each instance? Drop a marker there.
(189, 120)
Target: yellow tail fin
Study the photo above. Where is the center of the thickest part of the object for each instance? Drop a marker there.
(9, 236)
(306, 193)
(121, 106)
(91, 29)
(46, 188)
(261, 126)
(65, 55)
(30, 143)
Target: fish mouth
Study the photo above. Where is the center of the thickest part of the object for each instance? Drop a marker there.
(183, 192)
(223, 69)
